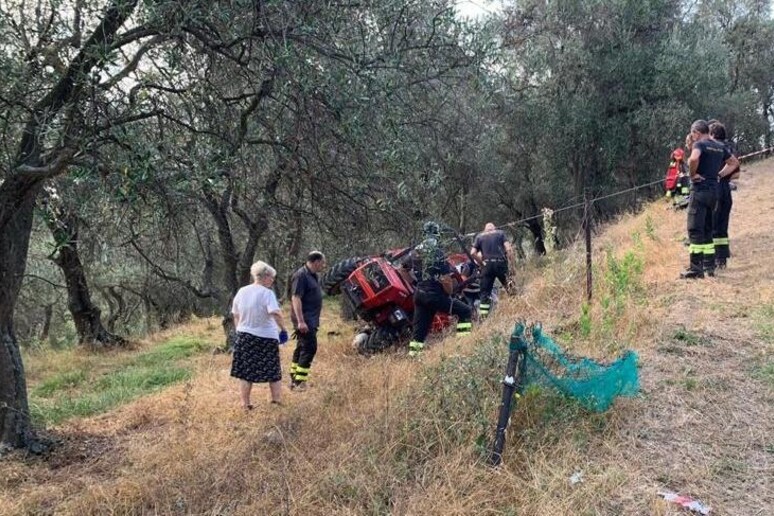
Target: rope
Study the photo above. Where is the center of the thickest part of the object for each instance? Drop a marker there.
(756, 153)
(573, 206)
(602, 197)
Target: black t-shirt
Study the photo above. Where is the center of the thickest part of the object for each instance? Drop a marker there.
(713, 157)
(491, 245)
(306, 286)
(732, 150)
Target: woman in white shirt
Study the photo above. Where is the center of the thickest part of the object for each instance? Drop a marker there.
(260, 330)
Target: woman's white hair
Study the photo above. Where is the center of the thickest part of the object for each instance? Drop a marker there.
(261, 270)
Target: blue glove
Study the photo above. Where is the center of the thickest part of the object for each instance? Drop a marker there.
(283, 337)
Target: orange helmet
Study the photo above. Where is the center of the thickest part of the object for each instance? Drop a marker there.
(678, 154)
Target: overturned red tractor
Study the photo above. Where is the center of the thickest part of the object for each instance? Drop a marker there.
(379, 292)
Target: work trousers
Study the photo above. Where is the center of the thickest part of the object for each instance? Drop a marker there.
(700, 214)
(720, 219)
(426, 304)
(493, 270)
(306, 349)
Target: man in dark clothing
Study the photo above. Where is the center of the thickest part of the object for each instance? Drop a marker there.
(709, 160)
(722, 211)
(306, 303)
(492, 251)
(433, 272)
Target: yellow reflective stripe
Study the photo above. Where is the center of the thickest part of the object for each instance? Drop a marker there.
(293, 367)
(696, 248)
(464, 325)
(685, 190)
(302, 370)
(484, 306)
(416, 345)
(720, 241)
(301, 378)
(709, 249)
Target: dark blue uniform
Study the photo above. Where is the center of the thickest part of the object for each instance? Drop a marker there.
(306, 286)
(491, 245)
(721, 216)
(429, 264)
(704, 196)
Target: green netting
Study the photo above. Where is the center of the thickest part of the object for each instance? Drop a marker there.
(593, 384)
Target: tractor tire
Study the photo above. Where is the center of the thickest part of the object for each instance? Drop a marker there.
(338, 272)
(378, 340)
(347, 313)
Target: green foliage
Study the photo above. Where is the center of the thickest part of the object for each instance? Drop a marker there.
(585, 320)
(60, 382)
(623, 276)
(80, 390)
(176, 348)
(108, 392)
(621, 282)
(650, 228)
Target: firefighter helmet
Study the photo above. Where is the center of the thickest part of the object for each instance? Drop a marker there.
(431, 228)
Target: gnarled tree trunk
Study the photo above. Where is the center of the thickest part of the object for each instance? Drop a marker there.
(86, 315)
(17, 201)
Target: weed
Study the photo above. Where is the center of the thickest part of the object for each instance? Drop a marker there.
(585, 320)
(59, 382)
(765, 372)
(108, 392)
(690, 338)
(763, 318)
(173, 349)
(650, 228)
(690, 384)
(85, 390)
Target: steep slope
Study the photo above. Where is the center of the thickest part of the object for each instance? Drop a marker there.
(390, 435)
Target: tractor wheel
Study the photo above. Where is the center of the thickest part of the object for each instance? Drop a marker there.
(338, 272)
(347, 313)
(378, 340)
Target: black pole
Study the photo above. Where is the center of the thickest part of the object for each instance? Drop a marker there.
(517, 348)
(587, 231)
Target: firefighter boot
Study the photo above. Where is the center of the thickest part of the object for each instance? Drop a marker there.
(709, 265)
(695, 270)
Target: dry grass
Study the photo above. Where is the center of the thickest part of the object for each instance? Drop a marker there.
(389, 435)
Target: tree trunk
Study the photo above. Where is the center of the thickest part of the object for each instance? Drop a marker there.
(17, 202)
(537, 231)
(86, 315)
(48, 314)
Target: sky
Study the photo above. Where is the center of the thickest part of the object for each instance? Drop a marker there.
(477, 8)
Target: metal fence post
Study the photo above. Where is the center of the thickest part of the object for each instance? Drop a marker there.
(517, 349)
(587, 230)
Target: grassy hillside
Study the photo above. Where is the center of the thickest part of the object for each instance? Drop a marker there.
(158, 429)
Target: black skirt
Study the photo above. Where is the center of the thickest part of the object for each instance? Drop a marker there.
(256, 359)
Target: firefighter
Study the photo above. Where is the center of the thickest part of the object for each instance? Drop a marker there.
(306, 305)
(722, 211)
(677, 182)
(433, 289)
(493, 252)
(672, 173)
(709, 160)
